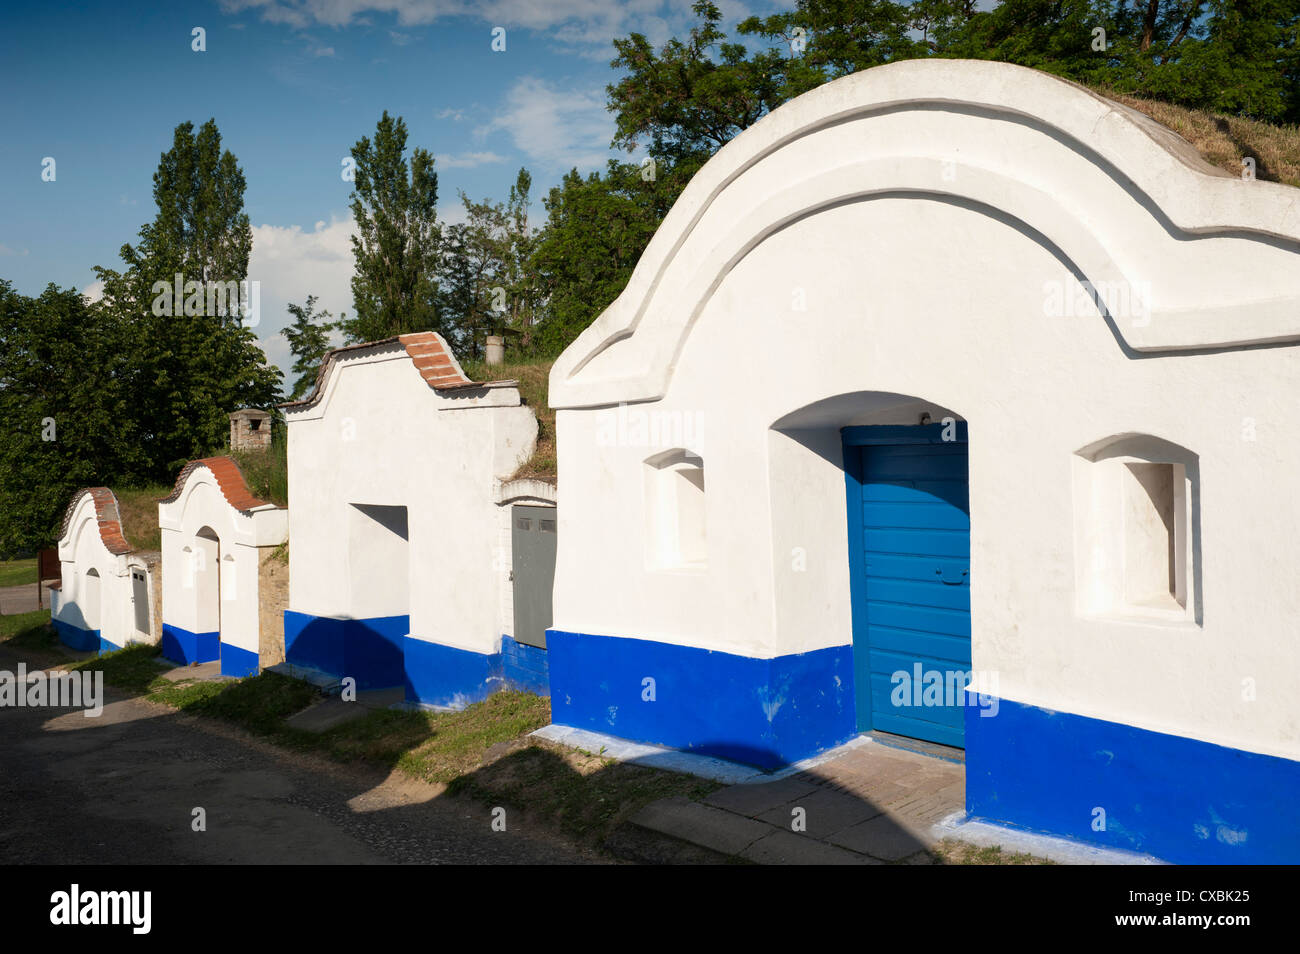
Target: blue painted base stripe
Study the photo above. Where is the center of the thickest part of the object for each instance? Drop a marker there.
(237, 661)
(74, 637)
(183, 647)
(380, 653)
(763, 712)
(1180, 799)
(445, 676)
(525, 667)
(367, 650)
(106, 647)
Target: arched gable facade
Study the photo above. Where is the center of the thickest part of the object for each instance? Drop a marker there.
(105, 599)
(395, 460)
(214, 534)
(953, 365)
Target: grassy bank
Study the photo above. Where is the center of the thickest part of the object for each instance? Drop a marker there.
(534, 384)
(17, 572)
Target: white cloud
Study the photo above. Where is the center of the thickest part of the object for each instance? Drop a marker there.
(322, 51)
(554, 127)
(6, 250)
(588, 26)
(453, 213)
(466, 160)
(94, 291)
(455, 115)
(291, 263)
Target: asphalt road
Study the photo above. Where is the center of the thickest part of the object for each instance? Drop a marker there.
(121, 789)
(21, 599)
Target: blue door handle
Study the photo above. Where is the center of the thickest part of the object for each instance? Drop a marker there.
(951, 575)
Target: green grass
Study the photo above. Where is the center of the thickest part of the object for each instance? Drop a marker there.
(952, 852)
(259, 703)
(138, 508)
(17, 572)
(586, 796)
(135, 668)
(29, 631)
(265, 471)
(435, 746)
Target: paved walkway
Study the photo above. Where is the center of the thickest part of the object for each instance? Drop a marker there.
(123, 788)
(873, 804)
(22, 599)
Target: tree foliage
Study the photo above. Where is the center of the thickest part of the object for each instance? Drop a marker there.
(133, 385)
(188, 370)
(309, 342)
(65, 400)
(394, 203)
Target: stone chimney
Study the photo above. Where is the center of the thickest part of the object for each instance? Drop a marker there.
(250, 429)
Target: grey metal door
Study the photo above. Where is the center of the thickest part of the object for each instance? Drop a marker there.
(140, 597)
(532, 544)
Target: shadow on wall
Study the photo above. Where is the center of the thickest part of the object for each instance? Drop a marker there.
(368, 650)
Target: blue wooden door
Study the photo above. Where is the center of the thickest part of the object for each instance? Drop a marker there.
(909, 542)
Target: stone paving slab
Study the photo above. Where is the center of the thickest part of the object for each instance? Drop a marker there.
(333, 710)
(203, 672)
(824, 812)
(325, 715)
(754, 800)
(701, 824)
(788, 848)
(882, 837)
(869, 804)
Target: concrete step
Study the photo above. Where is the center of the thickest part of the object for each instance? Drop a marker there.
(334, 711)
(203, 672)
(735, 836)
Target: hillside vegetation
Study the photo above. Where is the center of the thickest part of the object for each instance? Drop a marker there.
(1224, 141)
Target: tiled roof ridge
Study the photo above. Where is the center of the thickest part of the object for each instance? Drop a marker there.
(428, 351)
(230, 479)
(433, 358)
(107, 515)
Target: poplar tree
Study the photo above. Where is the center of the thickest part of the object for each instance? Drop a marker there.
(394, 203)
(187, 372)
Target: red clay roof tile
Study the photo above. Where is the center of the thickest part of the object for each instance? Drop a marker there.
(107, 516)
(428, 351)
(229, 478)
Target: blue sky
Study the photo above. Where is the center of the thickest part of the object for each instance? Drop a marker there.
(292, 84)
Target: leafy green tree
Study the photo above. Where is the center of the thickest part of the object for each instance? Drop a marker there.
(596, 229)
(309, 342)
(394, 203)
(189, 366)
(1233, 58)
(66, 410)
(470, 265)
(825, 39)
(201, 228)
(690, 98)
(486, 282)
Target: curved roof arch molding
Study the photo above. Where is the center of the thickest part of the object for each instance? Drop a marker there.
(93, 511)
(1178, 256)
(212, 492)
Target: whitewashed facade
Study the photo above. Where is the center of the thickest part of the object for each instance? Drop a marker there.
(213, 534)
(105, 599)
(954, 363)
(396, 461)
